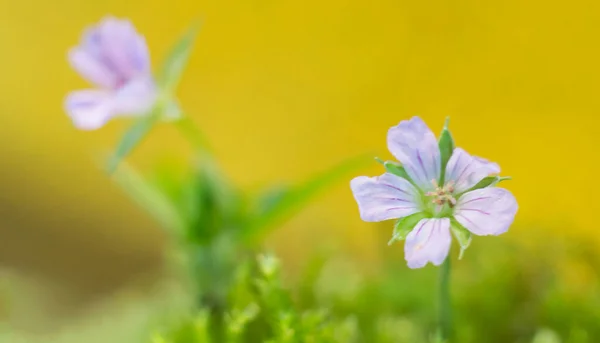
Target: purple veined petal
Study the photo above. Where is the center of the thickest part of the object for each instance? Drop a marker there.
(89, 109)
(92, 69)
(429, 241)
(466, 170)
(122, 48)
(136, 97)
(486, 211)
(416, 147)
(384, 197)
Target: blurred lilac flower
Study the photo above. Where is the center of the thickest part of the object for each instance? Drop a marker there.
(115, 59)
(483, 211)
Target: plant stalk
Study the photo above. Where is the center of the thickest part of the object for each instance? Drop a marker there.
(445, 304)
(193, 134)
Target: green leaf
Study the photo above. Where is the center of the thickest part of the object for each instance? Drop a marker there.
(149, 198)
(404, 226)
(462, 235)
(282, 203)
(169, 75)
(446, 145)
(488, 181)
(133, 136)
(271, 198)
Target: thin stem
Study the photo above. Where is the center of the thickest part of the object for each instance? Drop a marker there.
(445, 305)
(193, 134)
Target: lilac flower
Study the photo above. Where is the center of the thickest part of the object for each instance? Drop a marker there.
(115, 58)
(430, 199)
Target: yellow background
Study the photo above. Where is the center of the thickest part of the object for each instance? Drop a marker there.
(287, 88)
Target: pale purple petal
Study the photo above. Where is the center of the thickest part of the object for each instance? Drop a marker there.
(89, 109)
(111, 53)
(466, 170)
(486, 211)
(384, 197)
(123, 48)
(429, 241)
(91, 43)
(92, 69)
(137, 97)
(114, 57)
(416, 147)
(139, 55)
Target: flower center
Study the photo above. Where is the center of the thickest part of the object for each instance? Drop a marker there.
(442, 195)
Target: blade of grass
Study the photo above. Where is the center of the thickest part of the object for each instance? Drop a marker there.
(284, 203)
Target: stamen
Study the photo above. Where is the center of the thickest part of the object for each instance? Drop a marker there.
(451, 200)
(450, 186)
(442, 195)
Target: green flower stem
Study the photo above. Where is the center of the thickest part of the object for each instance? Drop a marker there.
(193, 134)
(445, 306)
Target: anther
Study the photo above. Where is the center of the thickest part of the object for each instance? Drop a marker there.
(442, 195)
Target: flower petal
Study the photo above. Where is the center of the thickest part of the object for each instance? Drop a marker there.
(136, 97)
(429, 241)
(139, 55)
(123, 47)
(92, 69)
(89, 109)
(466, 170)
(384, 197)
(413, 144)
(486, 211)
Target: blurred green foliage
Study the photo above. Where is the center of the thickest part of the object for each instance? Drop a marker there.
(502, 291)
(500, 294)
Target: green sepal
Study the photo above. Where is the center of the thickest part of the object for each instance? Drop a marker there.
(462, 235)
(446, 144)
(169, 75)
(488, 181)
(396, 169)
(405, 225)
